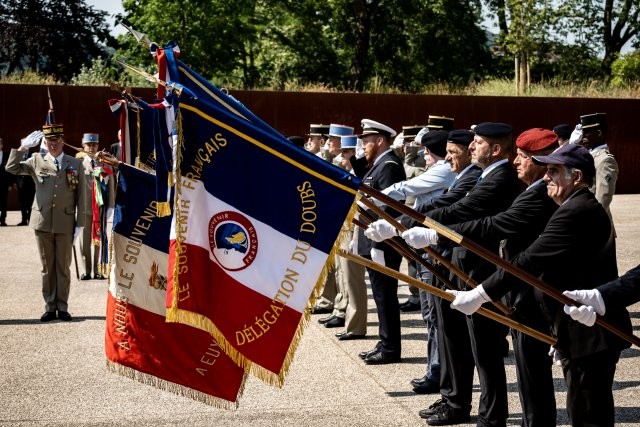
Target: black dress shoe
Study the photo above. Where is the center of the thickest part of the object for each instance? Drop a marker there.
(48, 316)
(3, 224)
(321, 310)
(346, 336)
(419, 381)
(85, 276)
(446, 415)
(427, 387)
(326, 319)
(380, 358)
(409, 306)
(23, 223)
(63, 315)
(99, 277)
(336, 322)
(432, 409)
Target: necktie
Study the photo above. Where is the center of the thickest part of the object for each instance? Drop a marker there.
(57, 164)
(93, 163)
(479, 180)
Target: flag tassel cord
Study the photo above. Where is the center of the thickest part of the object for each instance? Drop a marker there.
(432, 253)
(493, 258)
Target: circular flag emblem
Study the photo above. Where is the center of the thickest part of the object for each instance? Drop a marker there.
(233, 240)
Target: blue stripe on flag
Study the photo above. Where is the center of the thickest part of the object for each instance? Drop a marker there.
(264, 176)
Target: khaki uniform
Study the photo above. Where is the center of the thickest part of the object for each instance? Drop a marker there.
(53, 218)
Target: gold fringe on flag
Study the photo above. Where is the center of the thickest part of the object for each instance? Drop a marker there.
(174, 388)
(175, 314)
(163, 209)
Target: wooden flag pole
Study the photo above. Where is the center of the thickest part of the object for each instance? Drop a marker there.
(432, 253)
(493, 258)
(444, 295)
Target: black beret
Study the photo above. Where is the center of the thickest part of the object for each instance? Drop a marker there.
(563, 131)
(493, 130)
(436, 142)
(461, 137)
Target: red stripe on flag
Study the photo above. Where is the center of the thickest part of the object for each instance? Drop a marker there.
(141, 340)
(249, 321)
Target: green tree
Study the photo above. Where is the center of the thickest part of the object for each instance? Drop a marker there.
(51, 37)
(602, 26)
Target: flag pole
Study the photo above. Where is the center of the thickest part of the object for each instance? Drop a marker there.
(444, 295)
(493, 258)
(434, 254)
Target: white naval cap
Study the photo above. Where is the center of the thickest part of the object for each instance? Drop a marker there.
(371, 127)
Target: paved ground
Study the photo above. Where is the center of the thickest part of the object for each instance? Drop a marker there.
(54, 374)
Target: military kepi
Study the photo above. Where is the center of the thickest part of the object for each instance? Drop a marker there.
(440, 122)
(409, 133)
(371, 127)
(90, 138)
(339, 130)
(348, 141)
(493, 130)
(598, 120)
(318, 130)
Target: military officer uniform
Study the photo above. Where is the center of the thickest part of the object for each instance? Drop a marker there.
(53, 215)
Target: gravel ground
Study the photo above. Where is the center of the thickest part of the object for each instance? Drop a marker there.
(54, 374)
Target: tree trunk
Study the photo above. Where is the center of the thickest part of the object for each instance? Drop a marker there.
(358, 69)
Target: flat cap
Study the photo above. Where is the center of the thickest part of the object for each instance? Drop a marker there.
(436, 142)
(371, 127)
(537, 139)
(461, 137)
(493, 130)
(572, 155)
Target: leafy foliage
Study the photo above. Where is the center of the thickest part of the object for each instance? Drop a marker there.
(51, 37)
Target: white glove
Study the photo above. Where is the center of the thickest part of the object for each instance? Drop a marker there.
(359, 149)
(584, 314)
(377, 256)
(380, 230)
(576, 135)
(593, 304)
(352, 246)
(76, 232)
(554, 354)
(420, 237)
(590, 297)
(109, 214)
(32, 140)
(469, 302)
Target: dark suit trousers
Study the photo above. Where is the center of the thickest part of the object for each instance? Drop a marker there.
(385, 295)
(456, 360)
(487, 343)
(589, 380)
(4, 191)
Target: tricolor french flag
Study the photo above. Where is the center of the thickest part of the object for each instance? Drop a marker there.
(255, 223)
(139, 343)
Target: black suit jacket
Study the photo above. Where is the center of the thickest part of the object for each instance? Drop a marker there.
(623, 291)
(494, 194)
(573, 249)
(387, 171)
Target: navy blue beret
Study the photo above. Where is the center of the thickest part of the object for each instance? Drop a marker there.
(493, 130)
(461, 137)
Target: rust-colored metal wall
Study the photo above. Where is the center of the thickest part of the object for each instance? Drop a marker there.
(84, 109)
